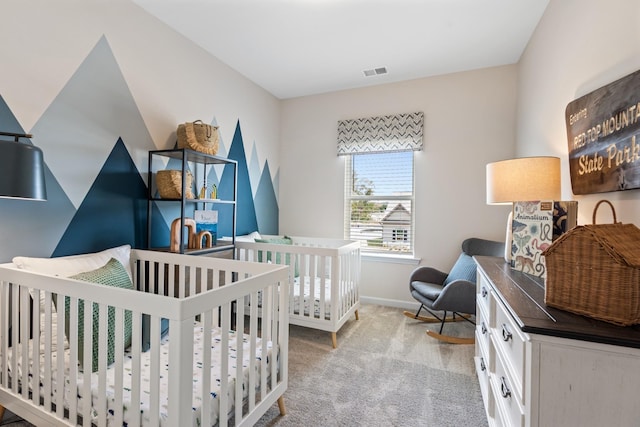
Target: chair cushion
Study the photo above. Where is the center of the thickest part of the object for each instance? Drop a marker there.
(464, 268)
(428, 290)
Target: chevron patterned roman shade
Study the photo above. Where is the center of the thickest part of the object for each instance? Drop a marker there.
(400, 132)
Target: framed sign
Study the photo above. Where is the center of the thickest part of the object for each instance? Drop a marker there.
(603, 132)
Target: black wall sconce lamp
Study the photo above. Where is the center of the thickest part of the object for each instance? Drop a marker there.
(21, 169)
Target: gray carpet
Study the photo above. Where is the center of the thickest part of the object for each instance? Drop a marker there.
(385, 372)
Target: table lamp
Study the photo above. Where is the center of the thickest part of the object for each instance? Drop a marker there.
(522, 179)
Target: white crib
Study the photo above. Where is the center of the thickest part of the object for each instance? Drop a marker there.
(202, 301)
(324, 278)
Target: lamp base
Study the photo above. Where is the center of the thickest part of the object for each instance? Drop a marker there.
(508, 238)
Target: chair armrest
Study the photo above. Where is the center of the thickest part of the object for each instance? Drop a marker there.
(458, 296)
(427, 275)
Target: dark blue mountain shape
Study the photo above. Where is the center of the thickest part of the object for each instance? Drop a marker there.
(114, 211)
(246, 221)
(267, 210)
(28, 227)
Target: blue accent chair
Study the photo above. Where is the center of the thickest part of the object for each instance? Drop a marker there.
(455, 292)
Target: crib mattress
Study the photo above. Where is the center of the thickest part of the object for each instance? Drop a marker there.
(198, 370)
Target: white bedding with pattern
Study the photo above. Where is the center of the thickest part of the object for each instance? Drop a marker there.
(215, 364)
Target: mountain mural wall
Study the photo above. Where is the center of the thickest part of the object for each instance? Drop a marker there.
(96, 145)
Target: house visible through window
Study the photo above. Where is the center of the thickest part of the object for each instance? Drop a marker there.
(379, 201)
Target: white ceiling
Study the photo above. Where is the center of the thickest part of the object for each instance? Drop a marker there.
(294, 48)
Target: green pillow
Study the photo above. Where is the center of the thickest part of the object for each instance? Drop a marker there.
(278, 241)
(111, 274)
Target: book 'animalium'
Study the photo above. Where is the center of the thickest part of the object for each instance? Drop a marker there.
(535, 225)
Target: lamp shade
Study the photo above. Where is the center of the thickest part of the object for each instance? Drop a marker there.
(22, 171)
(523, 179)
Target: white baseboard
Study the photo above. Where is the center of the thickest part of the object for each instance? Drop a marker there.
(391, 303)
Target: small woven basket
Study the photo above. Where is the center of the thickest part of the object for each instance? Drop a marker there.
(594, 270)
(198, 136)
(169, 183)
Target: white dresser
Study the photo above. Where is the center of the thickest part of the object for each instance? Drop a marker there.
(538, 366)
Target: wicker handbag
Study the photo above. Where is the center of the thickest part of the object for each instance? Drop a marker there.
(198, 136)
(594, 270)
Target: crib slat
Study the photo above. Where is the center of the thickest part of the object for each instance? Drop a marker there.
(4, 334)
(101, 403)
(118, 366)
(253, 337)
(239, 357)
(36, 349)
(14, 339)
(206, 374)
(136, 350)
(46, 330)
(273, 339)
(87, 350)
(24, 339)
(223, 417)
(181, 361)
(154, 395)
(61, 322)
(73, 354)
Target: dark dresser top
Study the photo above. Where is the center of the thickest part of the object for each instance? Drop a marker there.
(523, 295)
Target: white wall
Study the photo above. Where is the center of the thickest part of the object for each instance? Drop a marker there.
(469, 122)
(578, 46)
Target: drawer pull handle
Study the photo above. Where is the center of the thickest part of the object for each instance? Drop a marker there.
(504, 388)
(483, 367)
(484, 292)
(506, 335)
(483, 328)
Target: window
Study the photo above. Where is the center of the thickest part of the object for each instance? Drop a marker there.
(379, 201)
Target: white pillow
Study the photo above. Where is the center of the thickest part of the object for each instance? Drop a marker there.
(251, 237)
(67, 266)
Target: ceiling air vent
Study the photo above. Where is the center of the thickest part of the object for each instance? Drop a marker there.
(375, 71)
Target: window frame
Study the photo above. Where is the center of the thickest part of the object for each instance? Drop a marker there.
(409, 234)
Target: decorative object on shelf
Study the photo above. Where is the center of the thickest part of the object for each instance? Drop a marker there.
(22, 166)
(204, 239)
(594, 270)
(535, 225)
(522, 179)
(177, 230)
(198, 136)
(169, 183)
(207, 220)
(214, 192)
(602, 134)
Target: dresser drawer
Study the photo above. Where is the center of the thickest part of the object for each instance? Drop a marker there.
(482, 328)
(508, 406)
(483, 289)
(510, 343)
(482, 369)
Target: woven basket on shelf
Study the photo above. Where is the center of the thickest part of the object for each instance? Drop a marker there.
(594, 270)
(198, 136)
(169, 183)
